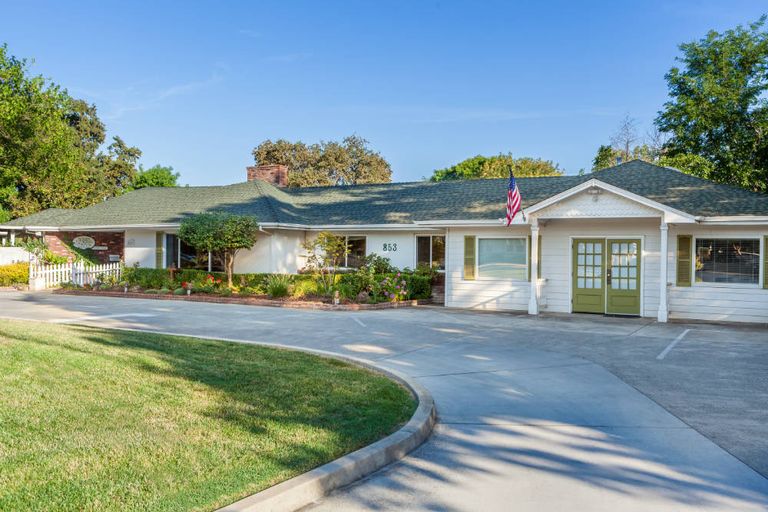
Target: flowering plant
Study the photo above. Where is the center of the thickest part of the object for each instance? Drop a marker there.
(394, 288)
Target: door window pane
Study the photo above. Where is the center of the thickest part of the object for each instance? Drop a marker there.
(727, 261)
(503, 258)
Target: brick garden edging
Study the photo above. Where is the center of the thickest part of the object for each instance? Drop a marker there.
(248, 301)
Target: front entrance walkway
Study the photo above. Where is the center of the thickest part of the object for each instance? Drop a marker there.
(527, 418)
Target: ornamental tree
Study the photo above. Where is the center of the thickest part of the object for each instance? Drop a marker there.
(220, 232)
(325, 254)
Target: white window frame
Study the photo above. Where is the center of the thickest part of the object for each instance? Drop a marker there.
(761, 263)
(479, 277)
(416, 249)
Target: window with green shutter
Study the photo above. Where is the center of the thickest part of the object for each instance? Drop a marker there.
(159, 249)
(684, 260)
(469, 257)
(765, 262)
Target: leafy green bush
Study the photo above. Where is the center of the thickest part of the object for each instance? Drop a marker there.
(152, 278)
(378, 264)
(278, 285)
(304, 286)
(53, 259)
(179, 291)
(152, 291)
(16, 273)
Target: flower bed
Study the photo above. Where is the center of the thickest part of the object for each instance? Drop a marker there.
(248, 300)
(363, 287)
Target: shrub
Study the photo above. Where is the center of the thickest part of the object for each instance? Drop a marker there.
(53, 259)
(179, 291)
(152, 278)
(378, 264)
(277, 285)
(393, 288)
(16, 273)
(152, 291)
(165, 290)
(304, 286)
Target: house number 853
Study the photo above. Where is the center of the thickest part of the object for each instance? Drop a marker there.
(390, 247)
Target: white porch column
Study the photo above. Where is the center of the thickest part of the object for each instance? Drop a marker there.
(13, 238)
(663, 273)
(533, 303)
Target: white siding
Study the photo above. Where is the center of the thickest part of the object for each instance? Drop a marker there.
(556, 265)
(717, 302)
(280, 251)
(405, 243)
(482, 293)
(140, 248)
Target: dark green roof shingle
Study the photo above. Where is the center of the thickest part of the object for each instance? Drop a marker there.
(398, 203)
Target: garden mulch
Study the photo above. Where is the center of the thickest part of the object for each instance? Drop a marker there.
(251, 301)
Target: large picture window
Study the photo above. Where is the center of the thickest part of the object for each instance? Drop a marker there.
(721, 260)
(503, 258)
(430, 250)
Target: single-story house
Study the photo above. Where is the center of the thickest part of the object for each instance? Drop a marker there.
(634, 239)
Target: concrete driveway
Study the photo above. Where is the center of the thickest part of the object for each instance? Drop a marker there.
(530, 417)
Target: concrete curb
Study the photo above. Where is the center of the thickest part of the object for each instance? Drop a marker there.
(305, 489)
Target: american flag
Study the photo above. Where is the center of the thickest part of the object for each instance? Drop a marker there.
(513, 199)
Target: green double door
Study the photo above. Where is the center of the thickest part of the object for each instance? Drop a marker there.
(606, 276)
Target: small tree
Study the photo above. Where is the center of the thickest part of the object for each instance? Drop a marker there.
(325, 254)
(220, 232)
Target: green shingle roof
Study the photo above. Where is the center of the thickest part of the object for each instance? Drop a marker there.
(398, 203)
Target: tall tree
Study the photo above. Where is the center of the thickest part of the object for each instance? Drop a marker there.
(605, 157)
(49, 146)
(718, 108)
(625, 137)
(155, 176)
(348, 162)
(497, 166)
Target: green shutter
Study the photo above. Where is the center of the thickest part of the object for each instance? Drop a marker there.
(469, 257)
(538, 266)
(684, 257)
(159, 249)
(765, 262)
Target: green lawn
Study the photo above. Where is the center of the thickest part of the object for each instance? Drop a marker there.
(94, 419)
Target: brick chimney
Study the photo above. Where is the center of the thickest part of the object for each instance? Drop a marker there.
(274, 174)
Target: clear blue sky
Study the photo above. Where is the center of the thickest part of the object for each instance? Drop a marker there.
(197, 85)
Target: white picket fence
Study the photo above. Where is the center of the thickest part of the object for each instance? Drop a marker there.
(42, 276)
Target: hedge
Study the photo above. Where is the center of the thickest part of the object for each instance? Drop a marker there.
(349, 284)
(16, 273)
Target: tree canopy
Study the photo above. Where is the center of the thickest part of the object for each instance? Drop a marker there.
(718, 107)
(52, 152)
(497, 166)
(155, 176)
(348, 162)
(220, 232)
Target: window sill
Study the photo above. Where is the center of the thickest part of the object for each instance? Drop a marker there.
(743, 286)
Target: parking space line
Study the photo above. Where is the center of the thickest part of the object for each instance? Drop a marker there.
(672, 345)
(359, 321)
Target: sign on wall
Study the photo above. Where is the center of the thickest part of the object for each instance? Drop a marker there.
(389, 247)
(83, 242)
